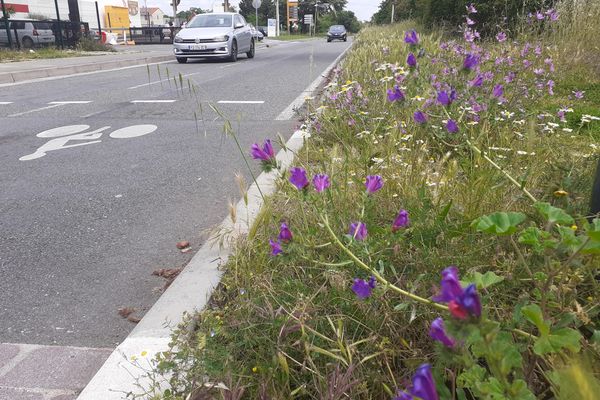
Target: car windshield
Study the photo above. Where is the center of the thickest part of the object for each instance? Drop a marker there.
(336, 28)
(210, 21)
(42, 25)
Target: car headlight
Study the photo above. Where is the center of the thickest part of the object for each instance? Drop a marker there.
(223, 38)
(178, 39)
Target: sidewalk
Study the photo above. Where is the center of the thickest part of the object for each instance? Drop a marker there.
(125, 56)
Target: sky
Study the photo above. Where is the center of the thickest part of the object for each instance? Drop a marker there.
(363, 9)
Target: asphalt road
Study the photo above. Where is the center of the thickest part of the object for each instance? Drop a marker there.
(85, 220)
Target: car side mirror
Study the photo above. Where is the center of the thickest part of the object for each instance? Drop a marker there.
(238, 26)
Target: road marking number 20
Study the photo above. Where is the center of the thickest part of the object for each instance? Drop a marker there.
(75, 133)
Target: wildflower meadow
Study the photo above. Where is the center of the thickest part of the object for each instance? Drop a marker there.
(433, 239)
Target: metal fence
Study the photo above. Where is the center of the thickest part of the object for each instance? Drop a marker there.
(145, 35)
(24, 34)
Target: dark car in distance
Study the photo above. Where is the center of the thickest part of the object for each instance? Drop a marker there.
(337, 32)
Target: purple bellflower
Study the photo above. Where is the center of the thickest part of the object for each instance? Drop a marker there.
(471, 9)
(451, 126)
(470, 62)
(285, 235)
(445, 98)
(321, 182)
(462, 303)
(411, 60)
(275, 247)
(477, 81)
(395, 94)
(362, 288)
(373, 183)
(501, 37)
(470, 22)
(266, 155)
(437, 332)
(358, 231)
(401, 221)
(298, 178)
(411, 38)
(423, 386)
(498, 90)
(420, 117)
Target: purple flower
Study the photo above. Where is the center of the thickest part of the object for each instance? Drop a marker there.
(264, 154)
(477, 81)
(470, 61)
(420, 117)
(578, 94)
(471, 9)
(510, 77)
(501, 37)
(550, 85)
(298, 178)
(373, 183)
(401, 221)
(358, 231)
(462, 303)
(437, 332)
(321, 182)
(423, 386)
(451, 126)
(275, 247)
(285, 235)
(443, 98)
(395, 94)
(362, 288)
(470, 22)
(498, 90)
(411, 38)
(411, 60)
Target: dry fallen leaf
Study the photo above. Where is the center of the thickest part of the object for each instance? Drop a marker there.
(183, 244)
(126, 311)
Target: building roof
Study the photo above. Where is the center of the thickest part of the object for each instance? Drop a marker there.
(151, 10)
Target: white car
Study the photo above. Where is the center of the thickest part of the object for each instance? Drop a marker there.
(28, 33)
(214, 35)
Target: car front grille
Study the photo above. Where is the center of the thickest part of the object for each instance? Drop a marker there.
(199, 41)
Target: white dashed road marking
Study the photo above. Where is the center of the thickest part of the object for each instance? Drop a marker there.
(35, 110)
(5, 102)
(71, 102)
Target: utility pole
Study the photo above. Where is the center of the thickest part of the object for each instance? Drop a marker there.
(392, 19)
(277, 17)
(175, 21)
(60, 36)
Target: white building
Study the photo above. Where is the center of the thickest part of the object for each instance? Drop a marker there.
(154, 16)
(87, 10)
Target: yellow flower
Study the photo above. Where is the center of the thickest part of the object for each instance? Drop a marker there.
(255, 369)
(144, 353)
(133, 358)
(560, 193)
(574, 227)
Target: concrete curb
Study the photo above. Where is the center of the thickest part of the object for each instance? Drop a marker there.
(126, 369)
(19, 76)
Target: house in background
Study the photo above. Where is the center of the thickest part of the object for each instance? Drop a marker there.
(153, 16)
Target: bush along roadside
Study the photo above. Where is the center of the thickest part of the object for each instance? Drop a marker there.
(428, 157)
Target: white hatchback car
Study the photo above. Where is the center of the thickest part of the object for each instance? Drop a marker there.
(214, 35)
(29, 33)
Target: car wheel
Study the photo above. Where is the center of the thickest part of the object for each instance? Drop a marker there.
(250, 53)
(328, 40)
(181, 60)
(234, 50)
(27, 43)
(345, 39)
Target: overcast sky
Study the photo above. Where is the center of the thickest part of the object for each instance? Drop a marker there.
(363, 9)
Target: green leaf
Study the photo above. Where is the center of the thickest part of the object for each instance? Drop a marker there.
(596, 338)
(592, 247)
(519, 390)
(593, 229)
(536, 238)
(533, 314)
(444, 213)
(492, 389)
(563, 338)
(500, 223)
(485, 280)
(553, 214)
(569, 239)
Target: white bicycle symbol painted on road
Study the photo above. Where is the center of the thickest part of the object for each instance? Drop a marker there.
(70, 133)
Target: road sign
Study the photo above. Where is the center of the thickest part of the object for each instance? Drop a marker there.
(308, 19)
(256, 3)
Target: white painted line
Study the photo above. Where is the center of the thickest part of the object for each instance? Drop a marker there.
(71, 102)
(240, 102)
(164, 80)
(35, 110)
(228, 66)
(53, 78)
(5, 102)
(153, 101)
(288, 113)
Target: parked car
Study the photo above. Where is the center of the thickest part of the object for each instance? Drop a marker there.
(263, 30)
(337, 32)
(214, 35)
(29, 33)
(256, 34)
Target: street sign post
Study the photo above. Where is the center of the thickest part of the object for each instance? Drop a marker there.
(256, 5)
